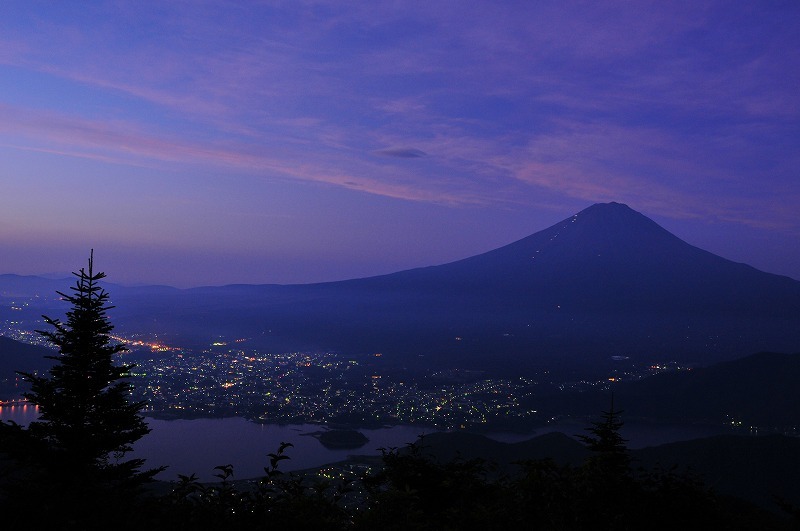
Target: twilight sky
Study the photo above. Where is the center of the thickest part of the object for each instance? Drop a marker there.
(212, 142)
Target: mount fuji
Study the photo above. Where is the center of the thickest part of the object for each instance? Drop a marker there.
(606, 283)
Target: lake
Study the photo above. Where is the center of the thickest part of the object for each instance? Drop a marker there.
(197, 446)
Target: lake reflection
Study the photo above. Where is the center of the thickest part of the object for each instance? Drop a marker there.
(21, 413)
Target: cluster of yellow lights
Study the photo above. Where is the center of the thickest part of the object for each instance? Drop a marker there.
(152, 345)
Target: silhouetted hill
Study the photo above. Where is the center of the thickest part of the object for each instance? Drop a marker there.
(16, 356)
(753, 468)
(748, 467)
(29, 285)
(561, 448)
(758, 390)
(607, 281)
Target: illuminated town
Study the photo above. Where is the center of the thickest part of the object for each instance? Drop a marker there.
(230, 379)
(319, 387)
(296, 387)
(227, 380)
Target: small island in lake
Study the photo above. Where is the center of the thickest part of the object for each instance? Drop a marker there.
(341, 439)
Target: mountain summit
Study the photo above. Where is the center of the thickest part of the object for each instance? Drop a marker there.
(610, 257)
(607, 257)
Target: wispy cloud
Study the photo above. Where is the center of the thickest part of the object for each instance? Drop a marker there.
(402, 153)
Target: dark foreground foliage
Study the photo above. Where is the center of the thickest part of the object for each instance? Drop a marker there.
(415, 491)
(412, 490)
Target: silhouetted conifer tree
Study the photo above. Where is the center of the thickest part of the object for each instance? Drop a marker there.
(72, 457)
(608, 447)
(85, 417)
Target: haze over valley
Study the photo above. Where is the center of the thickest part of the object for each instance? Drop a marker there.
(512, 338)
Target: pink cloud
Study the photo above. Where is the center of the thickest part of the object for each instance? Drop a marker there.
(125, 143)
(300, 101)
(647, 168)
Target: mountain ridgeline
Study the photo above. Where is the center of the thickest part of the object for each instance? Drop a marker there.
(605, 282)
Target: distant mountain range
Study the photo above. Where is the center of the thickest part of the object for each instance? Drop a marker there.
(606, 282)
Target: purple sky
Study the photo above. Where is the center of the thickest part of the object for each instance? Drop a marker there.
(210, 142)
